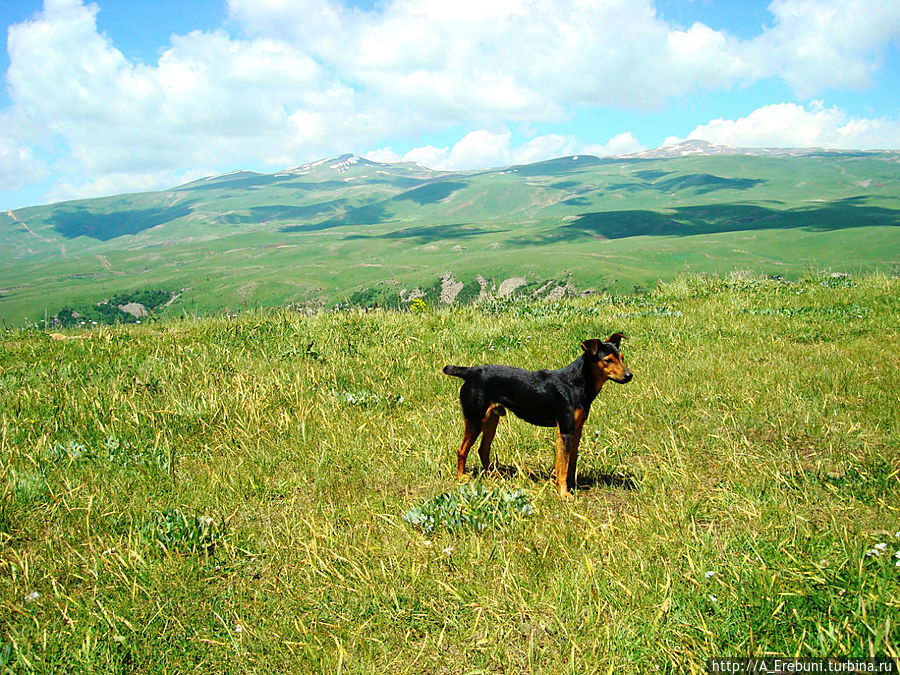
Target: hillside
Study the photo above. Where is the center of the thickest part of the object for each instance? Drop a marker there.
(351, 229)
(228, 494)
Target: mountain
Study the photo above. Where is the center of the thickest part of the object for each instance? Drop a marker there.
(350, 229)
(700, 147)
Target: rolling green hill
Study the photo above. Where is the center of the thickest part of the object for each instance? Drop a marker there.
(348, 229)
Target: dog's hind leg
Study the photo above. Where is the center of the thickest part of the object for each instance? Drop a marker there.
(473, 429)
(488, 430)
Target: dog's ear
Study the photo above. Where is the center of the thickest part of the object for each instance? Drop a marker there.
(591, 346)
(616, 338)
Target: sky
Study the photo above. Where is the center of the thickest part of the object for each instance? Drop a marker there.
(117, 96)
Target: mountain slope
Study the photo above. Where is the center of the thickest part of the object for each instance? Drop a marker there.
(341, 227)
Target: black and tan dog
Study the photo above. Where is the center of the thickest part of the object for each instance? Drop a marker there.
(546, 398)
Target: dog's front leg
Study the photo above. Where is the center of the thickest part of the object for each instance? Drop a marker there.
(568, 438)
(580, 416)
(566, 457)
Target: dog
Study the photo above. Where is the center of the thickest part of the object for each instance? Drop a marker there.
(546, 398)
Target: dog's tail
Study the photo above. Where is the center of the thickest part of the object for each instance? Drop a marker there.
(457, 371)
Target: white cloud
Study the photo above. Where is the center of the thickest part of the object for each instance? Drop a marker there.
(529, 60)
(620, 144)
(384, 155)
(792, 125)
(479, 149)
(546, 147)
(820, 44)
(483, 149)
(121, 183)
(18, 165)
(430, 156)
(292, 80)
(211, 101)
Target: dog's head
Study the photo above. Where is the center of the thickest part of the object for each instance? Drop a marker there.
(606, 359)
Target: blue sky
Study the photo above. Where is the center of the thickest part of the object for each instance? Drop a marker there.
(128, 95)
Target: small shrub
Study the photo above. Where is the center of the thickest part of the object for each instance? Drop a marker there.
(365, 398)
(662, 311)
(107, 312)
(381, 295)
(837, 311)
(837, 280)
(418, 306)
(28, 487)
(72, 450)
(470, 507)
(114, 452)
(520, 307)
(172, 530)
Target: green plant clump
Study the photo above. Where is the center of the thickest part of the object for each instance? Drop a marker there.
(113, 451)
(173, 530)
(107, 311)
(470, 507)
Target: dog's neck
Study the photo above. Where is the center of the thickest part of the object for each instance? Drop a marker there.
(591, 382)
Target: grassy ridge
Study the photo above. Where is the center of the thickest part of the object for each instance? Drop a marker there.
(323, 235)
(729, 494)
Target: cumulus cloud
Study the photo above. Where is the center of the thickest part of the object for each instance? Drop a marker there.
(815, 45)
(620, 144)
(18, 165)
(793, 125)
(119, 183)
(529, 60)
(476, 150)
(517, 59)
(212, 90)
(290, 80)
(484, 149)
(210, 101)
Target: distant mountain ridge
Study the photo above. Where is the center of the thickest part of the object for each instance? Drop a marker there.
(701, 148)
(350, 228)
(686, 148)
(345, 162)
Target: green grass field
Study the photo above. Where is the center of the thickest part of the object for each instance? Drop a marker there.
(227, 494)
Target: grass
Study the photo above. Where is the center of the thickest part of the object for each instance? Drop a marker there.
(228, 494)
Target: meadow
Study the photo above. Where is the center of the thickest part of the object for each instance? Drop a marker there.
(227, 494)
